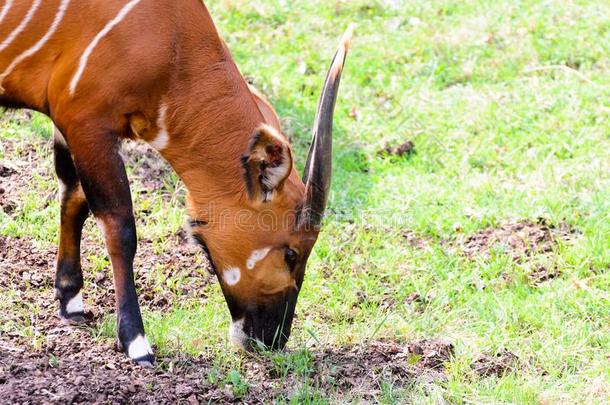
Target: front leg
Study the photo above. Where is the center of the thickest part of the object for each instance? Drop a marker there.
(104, 181)
(74, 212)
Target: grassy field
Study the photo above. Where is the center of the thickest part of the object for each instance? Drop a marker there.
(507, 104)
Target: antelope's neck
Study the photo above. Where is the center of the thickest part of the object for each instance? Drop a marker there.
(208, 119)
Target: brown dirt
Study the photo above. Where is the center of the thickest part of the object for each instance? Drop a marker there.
(64, 367)
(152, 172)
(542, 274)
(520, 239)
(19, 169)
(405, 148)
(415, 240)
(488, 365)
(72, 371)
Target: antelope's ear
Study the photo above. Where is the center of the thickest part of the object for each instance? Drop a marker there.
(267, 163)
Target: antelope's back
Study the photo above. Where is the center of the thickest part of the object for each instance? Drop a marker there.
(55, 50)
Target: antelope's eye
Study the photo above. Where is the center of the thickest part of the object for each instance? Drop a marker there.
(290, 256)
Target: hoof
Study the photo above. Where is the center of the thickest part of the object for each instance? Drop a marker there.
(72, 311)
(73, 319)
(139, 351)
(148, 361)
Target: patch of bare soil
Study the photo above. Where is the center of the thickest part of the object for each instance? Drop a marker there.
(415, 240)
(488, 365)
(519, 238)
(173, 273)
(148, 168)
(25, 267)
(65, 367)
(74, 372)
(17, 172)
(403, 149)
(542, 274)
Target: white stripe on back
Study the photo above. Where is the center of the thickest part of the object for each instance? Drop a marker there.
(85, 56)
(7, 6)
(11, 37)
(61, 11)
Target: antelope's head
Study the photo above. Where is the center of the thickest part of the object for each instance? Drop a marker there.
(259, 244)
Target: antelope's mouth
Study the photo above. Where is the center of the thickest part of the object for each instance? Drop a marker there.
(265, 327)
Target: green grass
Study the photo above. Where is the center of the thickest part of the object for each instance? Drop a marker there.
(508, 105)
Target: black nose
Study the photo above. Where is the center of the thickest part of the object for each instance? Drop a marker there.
(268, 338)
(268, 327)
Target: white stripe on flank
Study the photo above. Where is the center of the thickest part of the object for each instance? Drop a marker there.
(162, 139)
(85, 56)
(7, 6)
(11, 37)
(38, 45)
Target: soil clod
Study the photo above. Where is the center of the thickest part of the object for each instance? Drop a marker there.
(518, 238)
(433, 353)
(488, 365)
(403, 149)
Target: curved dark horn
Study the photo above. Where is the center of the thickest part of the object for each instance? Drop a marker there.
(319, 160)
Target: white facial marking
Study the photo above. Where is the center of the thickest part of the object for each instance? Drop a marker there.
(236, 333)
(231, 275)
(26, 20)
(76, 304)
(256, 256)
(85, 56)
(61, 11)
(162, 139)
(5, 9)
(139, 347)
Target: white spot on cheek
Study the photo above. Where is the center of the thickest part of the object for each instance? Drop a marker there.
(231, 276)
(257, 256)
(75, 304)
(236, 333)
(162, 139)
(139, 347)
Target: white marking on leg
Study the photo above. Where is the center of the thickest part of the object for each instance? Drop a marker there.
(236, 333)
(139, 347)
(38, 45)
(102, 226)
(62, 189)
(85, 56)
(28, 17)
(162, 139)
(75, 304)
(256, 256)
(5, 9)
(231, 275)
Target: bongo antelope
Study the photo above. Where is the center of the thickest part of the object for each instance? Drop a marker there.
(158, 71)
